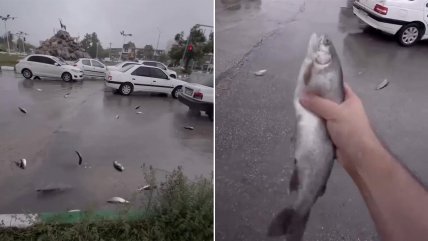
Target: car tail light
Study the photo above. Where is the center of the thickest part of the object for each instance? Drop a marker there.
(109, 77)
(198, 95)
(381, 9)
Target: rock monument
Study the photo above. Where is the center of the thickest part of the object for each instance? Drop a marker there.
(64, 46)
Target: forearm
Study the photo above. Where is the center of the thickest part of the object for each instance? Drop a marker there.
(397, 202)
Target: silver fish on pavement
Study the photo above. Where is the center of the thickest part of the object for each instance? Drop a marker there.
(80, 157)
(118, 166)
(314, 153)
(21, 163)
(117, 200)
(22, 110)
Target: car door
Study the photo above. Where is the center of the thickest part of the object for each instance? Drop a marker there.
(34, 64)
(87, 67)
(99, 69)
(141, 79)
(48, 67)
(160, 81)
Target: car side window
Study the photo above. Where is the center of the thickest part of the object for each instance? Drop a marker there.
(34, 59)
(47, 60)
(157, 73)
(86, 62)
(160, 66)
(127, 64)
(141, 71)
(97, 64)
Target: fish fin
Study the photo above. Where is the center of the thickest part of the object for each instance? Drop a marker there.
(290, 223)
(294, 181)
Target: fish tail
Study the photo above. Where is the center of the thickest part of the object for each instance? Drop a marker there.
(289, 223)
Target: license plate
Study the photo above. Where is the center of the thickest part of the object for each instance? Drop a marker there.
(188, 91)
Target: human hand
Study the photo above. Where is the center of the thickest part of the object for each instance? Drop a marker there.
(347, 124)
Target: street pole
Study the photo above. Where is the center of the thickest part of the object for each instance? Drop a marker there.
(7, 38)
(109, 53)
(157, 44)
(96, 54)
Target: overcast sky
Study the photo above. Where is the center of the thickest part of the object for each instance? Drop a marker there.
(107, 18)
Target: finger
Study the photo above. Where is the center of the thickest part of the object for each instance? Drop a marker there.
(321, 107)
(349, 93)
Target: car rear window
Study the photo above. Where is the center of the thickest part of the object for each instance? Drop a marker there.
(126, 68)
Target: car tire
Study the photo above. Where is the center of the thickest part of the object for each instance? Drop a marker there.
(210, 114)
(176, 91)
(173, 76)
(409, 34)
(126, 89)
(27, 73)
(66, 77)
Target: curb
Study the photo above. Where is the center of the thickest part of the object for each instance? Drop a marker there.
(7, 68)
(28, 220)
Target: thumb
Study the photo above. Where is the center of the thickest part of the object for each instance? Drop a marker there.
(321, 107)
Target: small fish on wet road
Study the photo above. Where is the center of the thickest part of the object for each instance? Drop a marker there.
(314, 153)
(40, 90)
(260, 72)
(137, 107)
(21, 163)
(117, 117)
(146, 187)
(117, 200)
(67, 95)
(118, 166)
(73, 210)
(80, 157)
(189, 128)
(139, 112)
(22, 110)
(382, 84)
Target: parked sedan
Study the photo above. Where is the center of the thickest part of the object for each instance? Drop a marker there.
(160, 65)
(91, 68)
(46, 66)
(121, 65)
(143, 78)
(199, 96)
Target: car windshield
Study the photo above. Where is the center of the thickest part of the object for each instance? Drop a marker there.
(59, 60)
(201, 78)
(126, 68)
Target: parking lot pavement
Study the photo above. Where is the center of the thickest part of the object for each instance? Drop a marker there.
(255, 122)
(57, 124)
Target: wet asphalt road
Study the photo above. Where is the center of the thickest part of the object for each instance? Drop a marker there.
(255, 117)
(85, 121)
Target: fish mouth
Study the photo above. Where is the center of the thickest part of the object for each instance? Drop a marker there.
(319, 49)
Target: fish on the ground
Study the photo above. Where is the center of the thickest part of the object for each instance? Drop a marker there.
(117, 116)
(146, 187)
(54, 188)
(80, 157)
(22, 110)
(21, 163)
(117, 200)
(314, 154)
(260, 72)
(73, 210)
(139, 112)
(39, 89)
(66, 95)
(189, 127)
(382, 84)
(137, 107)
(118, 166)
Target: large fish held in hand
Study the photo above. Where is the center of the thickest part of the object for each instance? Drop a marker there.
(314, 154)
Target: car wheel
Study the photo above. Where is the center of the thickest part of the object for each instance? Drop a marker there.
(409, 34)
(173, 76)
(210, 114)
(175, 92)
(27, 73)
(126, 89)
(66, 77)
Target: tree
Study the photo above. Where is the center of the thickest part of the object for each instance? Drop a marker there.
(128, 46)
(148, 52)
(175, 53)
(90, 43)
(197, 35)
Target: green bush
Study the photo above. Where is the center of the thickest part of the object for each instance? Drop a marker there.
(179, 209)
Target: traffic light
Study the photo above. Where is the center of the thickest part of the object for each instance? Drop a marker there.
(190, 48)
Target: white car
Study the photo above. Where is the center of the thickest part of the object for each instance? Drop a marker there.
(46, 66)
(121, 65)
(405, 19)
(170, 72)
(199, 96)
(91, 68)
(143, 78)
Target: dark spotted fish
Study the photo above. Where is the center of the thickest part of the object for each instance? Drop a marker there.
(320, 73)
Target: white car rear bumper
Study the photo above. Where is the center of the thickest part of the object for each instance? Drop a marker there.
(386, 25)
